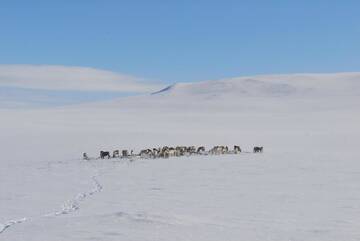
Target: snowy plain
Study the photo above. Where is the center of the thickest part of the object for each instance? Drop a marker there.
(305, 186)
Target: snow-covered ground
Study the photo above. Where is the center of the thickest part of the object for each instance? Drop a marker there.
(305, 186)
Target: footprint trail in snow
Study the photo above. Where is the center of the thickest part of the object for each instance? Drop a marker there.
(68, 207)
(74, 204)
(10, 223)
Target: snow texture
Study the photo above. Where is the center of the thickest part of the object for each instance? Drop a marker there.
(305, 186)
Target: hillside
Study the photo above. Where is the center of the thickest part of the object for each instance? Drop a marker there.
(270, 86)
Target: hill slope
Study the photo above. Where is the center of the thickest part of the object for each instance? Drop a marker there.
(271, 85)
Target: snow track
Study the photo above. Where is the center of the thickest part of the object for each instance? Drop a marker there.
(74, 204)
(10, 223)
(68, 207)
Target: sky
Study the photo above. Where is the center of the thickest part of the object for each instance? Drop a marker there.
(181, 41)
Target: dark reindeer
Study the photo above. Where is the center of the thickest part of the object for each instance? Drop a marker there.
(104, 154)
(85, 156)
(200, 150)
(258, 149)
(237, 149)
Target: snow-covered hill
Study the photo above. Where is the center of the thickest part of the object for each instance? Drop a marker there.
(271, 85)
(232, 87)
(303, 187)
(261, 94)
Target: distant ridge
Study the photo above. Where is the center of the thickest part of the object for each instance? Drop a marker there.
(164, 90)
(270, 85)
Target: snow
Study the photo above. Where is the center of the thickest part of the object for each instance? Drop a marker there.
(305, 186)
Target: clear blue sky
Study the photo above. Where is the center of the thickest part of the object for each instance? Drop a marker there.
(184, 40)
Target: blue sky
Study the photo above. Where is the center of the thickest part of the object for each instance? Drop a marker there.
(185, 40)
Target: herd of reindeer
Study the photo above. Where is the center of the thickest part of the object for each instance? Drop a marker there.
(166, 152)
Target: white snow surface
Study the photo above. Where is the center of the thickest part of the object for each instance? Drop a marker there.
(305, 186)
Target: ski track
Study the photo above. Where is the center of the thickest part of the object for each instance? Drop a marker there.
(68, 207)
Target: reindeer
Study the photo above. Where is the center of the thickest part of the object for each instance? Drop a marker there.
(115, 153)
(125, 153)
(258, 149)
(156, 152)
(237, 149)
(146, 153)
(200, 150)
(104, 154)
(171, 151)
(164, 153)
(85, 156)
(180, 150)
(214, 150)
(217, 150)
(191, 149)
